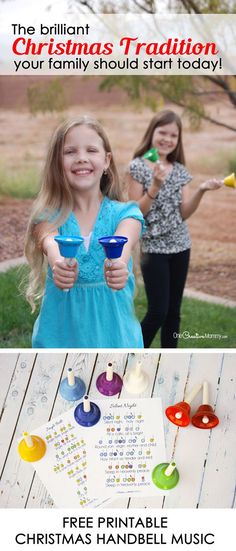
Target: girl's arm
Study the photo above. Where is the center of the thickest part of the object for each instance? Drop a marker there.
(131, 228)
(64, 275)
(190, 203)
(136, 191)
(116, 273)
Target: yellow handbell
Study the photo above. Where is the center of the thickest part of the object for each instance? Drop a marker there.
(31, 448)
(230, 180)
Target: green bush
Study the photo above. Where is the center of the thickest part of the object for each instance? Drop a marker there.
(46, 98)
(22, 184)
(16, 320)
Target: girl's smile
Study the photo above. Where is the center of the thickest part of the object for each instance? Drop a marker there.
(84, 158)
(82, 171)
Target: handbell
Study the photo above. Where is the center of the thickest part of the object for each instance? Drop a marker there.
(31, 448)
(165, 476)
(136, 380)
(230, 181)
(179, 414)
(152, 155)
(87, 414)
(68, 245)
(205, 418)
(113, 245)
(72, 388)
(109, 383)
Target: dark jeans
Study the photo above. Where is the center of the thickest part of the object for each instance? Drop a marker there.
(164, 278)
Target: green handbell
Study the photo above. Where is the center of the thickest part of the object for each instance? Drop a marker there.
(151, 155)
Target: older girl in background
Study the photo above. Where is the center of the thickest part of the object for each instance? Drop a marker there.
(162, 193)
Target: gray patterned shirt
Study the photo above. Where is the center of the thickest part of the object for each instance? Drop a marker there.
(166, 232)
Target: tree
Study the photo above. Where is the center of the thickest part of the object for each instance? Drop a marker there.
(154, 6)
(184, 91)
(188, 92)
(119, 6)
(203, 6)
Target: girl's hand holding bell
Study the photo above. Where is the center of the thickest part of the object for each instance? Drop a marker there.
(65, 274)
(159, 174)
(116, 273)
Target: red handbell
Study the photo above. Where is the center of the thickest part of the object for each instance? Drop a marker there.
(179, 414)
(205, 418)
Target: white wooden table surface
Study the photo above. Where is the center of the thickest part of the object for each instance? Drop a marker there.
(206, 459)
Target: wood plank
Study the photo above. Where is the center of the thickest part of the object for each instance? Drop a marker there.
(14, 397)
(218, 486)
(7, 367)
(36, 408)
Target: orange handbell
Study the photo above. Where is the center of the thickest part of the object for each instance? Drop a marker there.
(179, 414)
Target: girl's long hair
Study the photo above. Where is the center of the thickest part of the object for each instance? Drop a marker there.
(161, 119)
(55, 201)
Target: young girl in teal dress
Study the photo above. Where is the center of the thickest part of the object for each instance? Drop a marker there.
(80, 196)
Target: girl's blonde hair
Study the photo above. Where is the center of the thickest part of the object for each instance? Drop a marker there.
(55, 201)
(161, 119)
